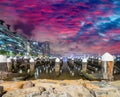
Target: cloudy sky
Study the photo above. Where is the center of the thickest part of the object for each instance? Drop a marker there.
(71, 26)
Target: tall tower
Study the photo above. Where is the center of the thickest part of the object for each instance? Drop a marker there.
(46, 48)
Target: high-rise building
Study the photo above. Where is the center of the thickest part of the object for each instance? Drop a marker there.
(34, 47)
(13, 42)
(46, 48)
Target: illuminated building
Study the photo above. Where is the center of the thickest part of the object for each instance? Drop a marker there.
(34, 47)
(12, 43)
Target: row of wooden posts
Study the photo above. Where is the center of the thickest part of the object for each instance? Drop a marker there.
(106, 64)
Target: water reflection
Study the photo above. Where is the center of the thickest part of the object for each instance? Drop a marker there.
(37, 73)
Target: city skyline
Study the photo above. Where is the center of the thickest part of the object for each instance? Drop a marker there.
(71, 26)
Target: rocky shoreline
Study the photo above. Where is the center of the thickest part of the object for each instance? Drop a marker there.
(60, 88)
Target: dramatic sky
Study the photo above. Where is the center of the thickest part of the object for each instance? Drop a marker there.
(71, 26)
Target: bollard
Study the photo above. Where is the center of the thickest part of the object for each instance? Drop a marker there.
(32, 66)
(9, 64)
(46, 69)
(99, 61)
(107, 65)
(3, 63)
(57, 65)
(15, 64)
(72, 61)
(84, 64)
(92, 59)
(3, 67)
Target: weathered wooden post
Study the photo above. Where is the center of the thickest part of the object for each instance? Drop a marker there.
(99, 61)
(3, 63)
(9, 64)
(15, 64)
(92, 59)
(57, 66)
(107, 64)
(3, 66)
(84, 64)
(32, 66)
